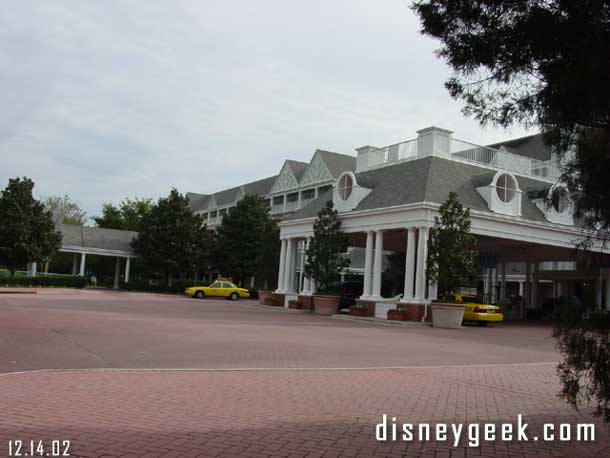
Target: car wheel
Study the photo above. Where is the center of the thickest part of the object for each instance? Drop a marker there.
(199, 294)
(234, 296)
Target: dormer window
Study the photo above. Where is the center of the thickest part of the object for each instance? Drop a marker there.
(561, 202)
(346, 184)
(506, 187)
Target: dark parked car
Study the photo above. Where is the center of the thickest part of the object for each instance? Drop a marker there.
(350, 291)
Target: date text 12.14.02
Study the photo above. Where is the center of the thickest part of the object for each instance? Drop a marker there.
(38, 448)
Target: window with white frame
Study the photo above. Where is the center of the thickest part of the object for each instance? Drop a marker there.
(345, 187)
(506, 188)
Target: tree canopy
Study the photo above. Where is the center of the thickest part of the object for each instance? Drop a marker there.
(65, 210)
(126, 216)
(172, 239)
(324, 261)
(27, 231)
(452, 252)
(247, 242)
(542, 63)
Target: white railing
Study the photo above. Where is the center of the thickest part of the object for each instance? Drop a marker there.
(292, 205)
(306, 201)
(463, 151)
(393, 153)
(275, 209)
(474, 153)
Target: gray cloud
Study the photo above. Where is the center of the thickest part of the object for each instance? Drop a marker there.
(114, 99)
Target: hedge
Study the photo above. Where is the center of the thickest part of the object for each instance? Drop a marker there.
(55, 281)
(178, 286)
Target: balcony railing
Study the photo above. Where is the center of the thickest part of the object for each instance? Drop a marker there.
(462, 151)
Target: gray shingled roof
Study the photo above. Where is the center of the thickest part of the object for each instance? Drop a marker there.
(338, 163)
(297, 167)
(532, 146)
(259, 187)
(198, 201)
(96, 237)
(429, 179)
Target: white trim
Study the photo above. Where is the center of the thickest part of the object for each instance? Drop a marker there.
(96, 251)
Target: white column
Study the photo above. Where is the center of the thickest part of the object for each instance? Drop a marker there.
(117, 273)
(74, 264)
(503, 288)
(31, 269)
(288, 269)
(83, 258)
(368, 265)
(280, 277)
(377, 265)
(127, 266)
(432, 291)
(528, 285)
(608, 289)
(422, 254)
(535, 286)
(301, 284)
(598, 289)
(306, 280)
(494, 291)
(409, 266)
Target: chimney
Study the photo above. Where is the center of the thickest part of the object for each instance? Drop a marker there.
(434, 141)
(365, 159)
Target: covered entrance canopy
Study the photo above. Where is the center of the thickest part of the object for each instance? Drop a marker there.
(392, 204)
(82, 241)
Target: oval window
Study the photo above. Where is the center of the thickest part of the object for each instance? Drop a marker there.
(346, 184)
(505, 188)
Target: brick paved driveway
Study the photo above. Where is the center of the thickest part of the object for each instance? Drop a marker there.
(266, 384)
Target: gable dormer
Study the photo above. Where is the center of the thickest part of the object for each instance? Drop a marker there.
(286, 180)
(348, 193)
(502, 194)
(316, 172)
(212, 203)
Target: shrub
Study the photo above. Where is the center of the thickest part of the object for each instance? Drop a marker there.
(178, 286)
(55, 281)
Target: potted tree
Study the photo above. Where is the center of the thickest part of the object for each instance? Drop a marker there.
(452, 261)
(324, 261)
(359, 310)
(397, 314)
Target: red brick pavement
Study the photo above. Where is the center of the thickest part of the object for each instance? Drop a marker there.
(263, 413)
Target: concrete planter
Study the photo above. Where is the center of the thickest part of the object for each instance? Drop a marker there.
(296, 305)
(447, 315)
(326, 305)
(397, 315)
(262, 297)
(359, 312)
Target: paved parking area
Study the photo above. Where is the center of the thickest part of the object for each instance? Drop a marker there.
(222, 379)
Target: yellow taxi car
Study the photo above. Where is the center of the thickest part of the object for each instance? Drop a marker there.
(478, 312)
(220, 288)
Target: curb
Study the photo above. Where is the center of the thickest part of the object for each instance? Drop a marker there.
(404, 324)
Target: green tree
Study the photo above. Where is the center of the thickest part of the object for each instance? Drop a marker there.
(544, 63)
(65, 211)
(27, 231)
(324, 261)
(171, 237)
(127, 216)
(452, 252)
(245, 239)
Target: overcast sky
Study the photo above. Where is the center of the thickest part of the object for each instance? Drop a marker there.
(103, 100)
